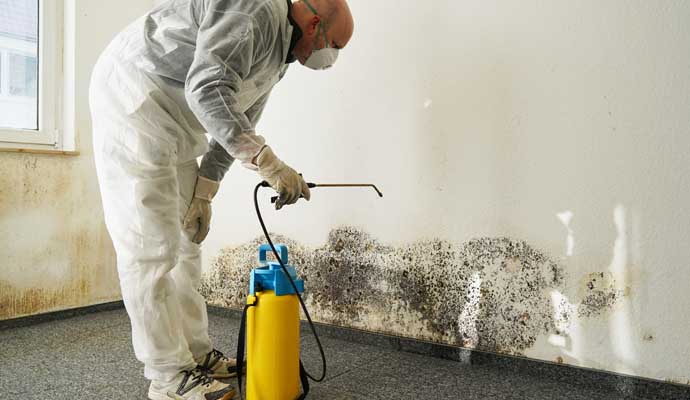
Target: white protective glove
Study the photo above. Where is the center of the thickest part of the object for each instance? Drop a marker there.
(283, 179)
(197, 221)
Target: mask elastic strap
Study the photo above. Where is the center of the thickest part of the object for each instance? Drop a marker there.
(310, 7)
(321, 24)
(325, 39)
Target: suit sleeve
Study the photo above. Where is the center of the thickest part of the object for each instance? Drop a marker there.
(217, 161)
(228, 42)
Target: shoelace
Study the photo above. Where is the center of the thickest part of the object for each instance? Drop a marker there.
(212, 359)
(218, 355)
(200, 376)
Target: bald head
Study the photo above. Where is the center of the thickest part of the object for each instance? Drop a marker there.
(334, 19)
(338, 19)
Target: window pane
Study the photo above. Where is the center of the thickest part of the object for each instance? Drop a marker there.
(23, 75)
(19, 64)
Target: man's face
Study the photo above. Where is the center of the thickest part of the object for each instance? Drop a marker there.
(317, 34)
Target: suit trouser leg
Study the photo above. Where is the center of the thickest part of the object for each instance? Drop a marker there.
(187, 273)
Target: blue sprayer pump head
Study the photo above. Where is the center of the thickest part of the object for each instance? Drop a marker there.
(270, 275)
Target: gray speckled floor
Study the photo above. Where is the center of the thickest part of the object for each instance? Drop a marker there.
(90, 357)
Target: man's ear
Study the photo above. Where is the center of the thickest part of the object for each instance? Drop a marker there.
(313, 25)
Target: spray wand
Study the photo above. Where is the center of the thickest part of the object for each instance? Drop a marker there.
(331, 185)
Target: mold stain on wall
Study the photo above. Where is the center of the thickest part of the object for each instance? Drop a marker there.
(601, 294)
(489, 293)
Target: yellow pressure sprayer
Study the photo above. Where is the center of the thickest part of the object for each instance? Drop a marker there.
(270, 323)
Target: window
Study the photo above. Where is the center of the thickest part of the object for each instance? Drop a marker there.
(29, 71)
(23, 76)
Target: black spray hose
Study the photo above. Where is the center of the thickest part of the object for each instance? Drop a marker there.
(292, 282)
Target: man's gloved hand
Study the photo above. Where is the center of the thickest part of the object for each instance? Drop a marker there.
(197, 221)
(283, 179)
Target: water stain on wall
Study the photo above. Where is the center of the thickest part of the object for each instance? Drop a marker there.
(59, 255)
(17, 302)
(88, 256)
(489, 293)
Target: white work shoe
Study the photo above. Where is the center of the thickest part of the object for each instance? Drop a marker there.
(217, 366)
(191, 385)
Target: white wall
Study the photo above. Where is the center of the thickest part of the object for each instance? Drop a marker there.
(564, 124)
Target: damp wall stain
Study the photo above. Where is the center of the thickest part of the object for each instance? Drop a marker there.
(54, 250)
(489, 293)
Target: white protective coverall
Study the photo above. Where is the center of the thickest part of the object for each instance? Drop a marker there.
(187, 68)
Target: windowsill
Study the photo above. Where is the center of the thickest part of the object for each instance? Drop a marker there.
(39, 151)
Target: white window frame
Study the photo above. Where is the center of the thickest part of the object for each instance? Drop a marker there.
(50, 49)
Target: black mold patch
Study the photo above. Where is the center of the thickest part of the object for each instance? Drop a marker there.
(515, 304)
(227, 281)
(490, 293)
(600, 295)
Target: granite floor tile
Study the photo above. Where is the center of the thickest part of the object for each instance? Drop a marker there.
(91, 357)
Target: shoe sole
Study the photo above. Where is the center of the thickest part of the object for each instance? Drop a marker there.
(157, 396)
(228, 396)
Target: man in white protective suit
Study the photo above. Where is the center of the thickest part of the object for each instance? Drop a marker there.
(186, 69)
